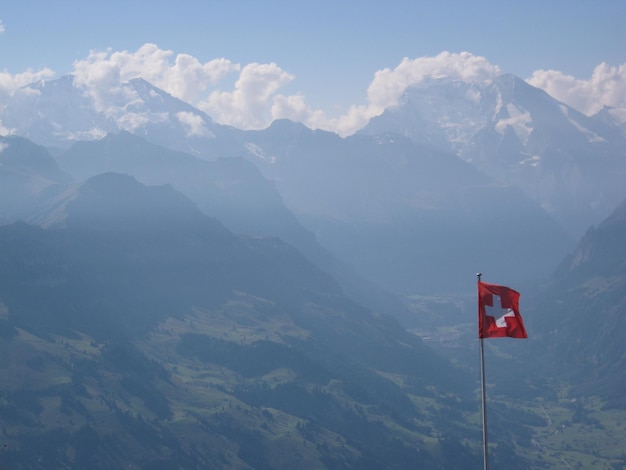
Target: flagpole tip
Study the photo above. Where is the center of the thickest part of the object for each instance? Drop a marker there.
(478, 275)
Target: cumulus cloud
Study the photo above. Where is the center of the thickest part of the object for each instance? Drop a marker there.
(185, 78)
(103, 73)
(101, 80)
(249, 105)
(255, 99)
(292, 107)
(9, 83)
(386, 89)
(250, 96)
(355, 118)
(607, 86)
(388, 85)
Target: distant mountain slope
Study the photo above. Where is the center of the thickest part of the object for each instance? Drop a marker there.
(613, 117)
(230, 189)
(404, 216)
(581, 317)
(411, 218)
(573, 165)
(138, 331)
(570, 164)
(29, 175)
(54, 113)
(57, 113)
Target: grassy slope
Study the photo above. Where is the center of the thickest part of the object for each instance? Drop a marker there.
(67, 398)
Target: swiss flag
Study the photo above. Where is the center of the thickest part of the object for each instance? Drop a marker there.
(498, 312)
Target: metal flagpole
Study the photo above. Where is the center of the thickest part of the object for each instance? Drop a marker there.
(484, 393)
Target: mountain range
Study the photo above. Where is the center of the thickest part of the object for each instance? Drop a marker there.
(175, 293)
(373, 201)
(139, 331)
(574, 166)
(29, 177)
(582, 312)
(570, 164)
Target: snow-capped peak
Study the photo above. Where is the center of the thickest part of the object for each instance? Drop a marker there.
(59, 112)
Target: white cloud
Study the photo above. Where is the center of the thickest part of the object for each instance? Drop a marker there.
(254, 99)
(388, 86)
(101, 79)
(253, 102)
(385, 90)
(607, 86)
(249, 105)
(101, 74)
(1, 27)
(10, 83)
(186, 78)
(292, 107)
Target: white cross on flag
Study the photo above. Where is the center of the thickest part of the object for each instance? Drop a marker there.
(498, 312)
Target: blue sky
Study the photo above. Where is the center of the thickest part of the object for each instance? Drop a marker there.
(330, 50)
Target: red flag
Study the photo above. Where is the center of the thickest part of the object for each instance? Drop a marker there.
(498, 312)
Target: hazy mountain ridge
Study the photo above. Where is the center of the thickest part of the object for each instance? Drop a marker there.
(57, 113)
(571, 164)
(578, 317)
(229, 189)
(158, 332)
(613, 117)
(400, 212)
(345, 190)
(29, 177)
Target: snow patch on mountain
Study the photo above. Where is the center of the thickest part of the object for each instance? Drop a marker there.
(132, 121)
(571, 164)
(94, 133)
(384, 139)
(256, 151)
(520, 121)
(590, 135)
(533, 160)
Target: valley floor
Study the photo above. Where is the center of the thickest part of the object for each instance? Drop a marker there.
(561, 430)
